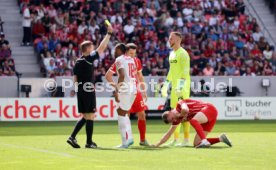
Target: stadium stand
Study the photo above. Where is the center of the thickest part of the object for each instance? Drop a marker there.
(272, 6)
(220, 38)
(7, 66)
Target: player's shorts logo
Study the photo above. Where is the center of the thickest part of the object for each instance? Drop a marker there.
(233, 108)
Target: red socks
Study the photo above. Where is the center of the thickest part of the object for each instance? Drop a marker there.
(142, 129)
(198, 128)
(213, 140)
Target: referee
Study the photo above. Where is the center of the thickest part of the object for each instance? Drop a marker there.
(84, 78)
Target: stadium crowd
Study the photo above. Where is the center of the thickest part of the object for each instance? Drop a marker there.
(220, 38)
(7, 67)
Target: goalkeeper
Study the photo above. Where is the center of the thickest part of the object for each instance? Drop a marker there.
(179, 77)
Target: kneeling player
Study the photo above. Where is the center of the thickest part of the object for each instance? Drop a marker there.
(202, 117)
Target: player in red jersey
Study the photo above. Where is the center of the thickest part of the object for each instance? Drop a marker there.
(138, 106)
(202, 117)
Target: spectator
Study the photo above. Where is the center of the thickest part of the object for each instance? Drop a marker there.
(273, 62)
(208, 70)
(48, 58)
(129, 28)
(257, 34)
(230, 69)
(267, 71)
(116, 17)
(220, 70)
(51, 68)
(5, 52)
(267, 52)
(26, 23)
(262, 44)
(3, 40)
(81, 28)
(188, 12)
(249, 72)
(215, 32)
(8, 70)
(147, 69)
(168, 20)
(38, 29)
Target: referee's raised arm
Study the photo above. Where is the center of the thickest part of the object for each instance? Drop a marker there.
(105, 41)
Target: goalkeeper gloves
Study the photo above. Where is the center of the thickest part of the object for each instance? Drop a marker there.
(164, 89)
(179, 88)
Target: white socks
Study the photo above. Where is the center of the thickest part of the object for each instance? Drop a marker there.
(128, 128)
(122, 128)
(125, 127)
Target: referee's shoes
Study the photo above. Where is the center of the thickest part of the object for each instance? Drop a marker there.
(93, 145)
(73, 142)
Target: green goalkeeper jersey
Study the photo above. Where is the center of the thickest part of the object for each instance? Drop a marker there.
(179, 67)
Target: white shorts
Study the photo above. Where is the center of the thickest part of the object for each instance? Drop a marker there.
(126, 100)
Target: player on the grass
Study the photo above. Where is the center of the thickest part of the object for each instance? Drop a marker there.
(84, 78)
(179, 77)
(125, 91)
(202, 117)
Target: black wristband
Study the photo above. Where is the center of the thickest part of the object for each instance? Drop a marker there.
(109, 33)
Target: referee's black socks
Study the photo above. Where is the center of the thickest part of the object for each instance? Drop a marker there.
(89, 131)
(78, 127)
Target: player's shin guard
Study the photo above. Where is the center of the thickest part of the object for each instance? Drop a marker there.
(186, 130)
(128, 128)
(142, 129)
(177, 132)
(78, 127)
(122, 128)
(213, 140)
(89, 131)
(198, 128)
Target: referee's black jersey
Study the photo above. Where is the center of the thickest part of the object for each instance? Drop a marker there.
(84, 69)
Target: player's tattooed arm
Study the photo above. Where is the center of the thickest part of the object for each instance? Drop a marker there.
(166, 136)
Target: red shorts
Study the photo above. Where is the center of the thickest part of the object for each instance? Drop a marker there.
(211, 113)
(138, 104)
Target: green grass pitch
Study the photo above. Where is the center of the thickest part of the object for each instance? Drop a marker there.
(42, 145)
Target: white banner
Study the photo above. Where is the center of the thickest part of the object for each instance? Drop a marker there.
(65, 109)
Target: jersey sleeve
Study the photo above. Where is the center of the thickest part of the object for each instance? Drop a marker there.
(94, 55)
(185, 64)
(113, 68)
(118, 64)
(169, 76)
(75, 69)
(138, 64)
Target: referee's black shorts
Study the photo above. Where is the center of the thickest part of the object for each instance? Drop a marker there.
(86, 102)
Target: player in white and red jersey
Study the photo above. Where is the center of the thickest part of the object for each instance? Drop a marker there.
(138, 106)
(202, 117)
(125, 91)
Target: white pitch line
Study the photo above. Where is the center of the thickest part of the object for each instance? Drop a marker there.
(38, 150)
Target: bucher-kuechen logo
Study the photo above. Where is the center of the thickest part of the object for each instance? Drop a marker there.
(233, 108)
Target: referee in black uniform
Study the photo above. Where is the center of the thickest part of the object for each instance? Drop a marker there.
(84, 78)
